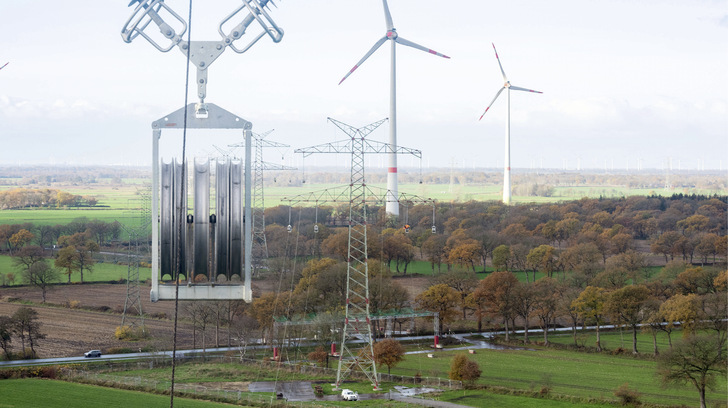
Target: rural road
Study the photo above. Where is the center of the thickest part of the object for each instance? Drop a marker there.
(473, 344)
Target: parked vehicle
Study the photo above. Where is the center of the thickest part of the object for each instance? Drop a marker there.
(349, 395)
(92, 353)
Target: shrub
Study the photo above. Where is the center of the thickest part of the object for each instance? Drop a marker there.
(122, 332)
(318, 356)
(30, 372)
(49, 372)
(465, 370)
(131, 333)
(74, 304)
(449, 341)
(627, 396)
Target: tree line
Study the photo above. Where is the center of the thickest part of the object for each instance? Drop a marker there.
(38, 264)
(42, 198)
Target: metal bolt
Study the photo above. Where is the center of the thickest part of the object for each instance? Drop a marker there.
(219, 46)
(202, 81)
(236, 34)
(202, 63)
(184, 46)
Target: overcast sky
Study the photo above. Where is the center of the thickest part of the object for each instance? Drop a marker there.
(622, 81)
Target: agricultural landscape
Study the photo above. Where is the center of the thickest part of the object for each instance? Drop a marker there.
(559, 246)
(544, 263)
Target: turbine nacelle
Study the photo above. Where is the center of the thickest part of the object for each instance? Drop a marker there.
(506, 85)
(390, 35)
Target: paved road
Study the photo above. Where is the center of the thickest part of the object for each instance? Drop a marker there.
(474, 344)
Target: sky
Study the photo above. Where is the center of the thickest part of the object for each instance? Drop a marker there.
(626, 83)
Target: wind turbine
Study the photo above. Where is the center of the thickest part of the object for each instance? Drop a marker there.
(391, 35)
(507, 163)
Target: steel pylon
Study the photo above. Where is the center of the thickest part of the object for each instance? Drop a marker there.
(357, 322)
(260, 244)
(133, 314)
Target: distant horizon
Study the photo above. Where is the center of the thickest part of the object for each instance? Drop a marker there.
(408, 169)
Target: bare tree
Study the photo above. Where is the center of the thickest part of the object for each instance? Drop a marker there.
(42, 276)
(697, 361)
(27, 326)
(6, 338)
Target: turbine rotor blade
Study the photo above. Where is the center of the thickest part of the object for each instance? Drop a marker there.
(516, 88)
(505, 79)
(361, 61)
(493, 101)
(387, 16)
(408, 43)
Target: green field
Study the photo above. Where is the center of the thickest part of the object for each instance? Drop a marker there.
(570, 373)
(578, 374)
(613, 339)
(481, 398)
(102, 272)
(122, 203)
(214, 372)
(32, 393)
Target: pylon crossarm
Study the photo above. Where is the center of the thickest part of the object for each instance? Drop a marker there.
(272, 166)
(373, 196)
(373, 146)
(364, 131)
(329, 195)
(339, 146)
(369, 146)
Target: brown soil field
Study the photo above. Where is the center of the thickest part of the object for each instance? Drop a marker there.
(71, 332)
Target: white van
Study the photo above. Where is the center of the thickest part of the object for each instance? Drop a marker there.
(349, 395)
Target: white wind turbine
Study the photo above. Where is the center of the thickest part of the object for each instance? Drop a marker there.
(507, 163)
(393, 193)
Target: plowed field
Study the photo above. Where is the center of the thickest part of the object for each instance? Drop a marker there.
(71, 332)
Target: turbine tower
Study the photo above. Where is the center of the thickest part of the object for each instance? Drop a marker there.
(392, 206)
(507, 162)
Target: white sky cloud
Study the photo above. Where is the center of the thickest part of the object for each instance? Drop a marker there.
(621, 79)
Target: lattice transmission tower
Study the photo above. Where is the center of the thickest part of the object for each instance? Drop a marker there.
(357, 321)
(138, 232)
(260, 244)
